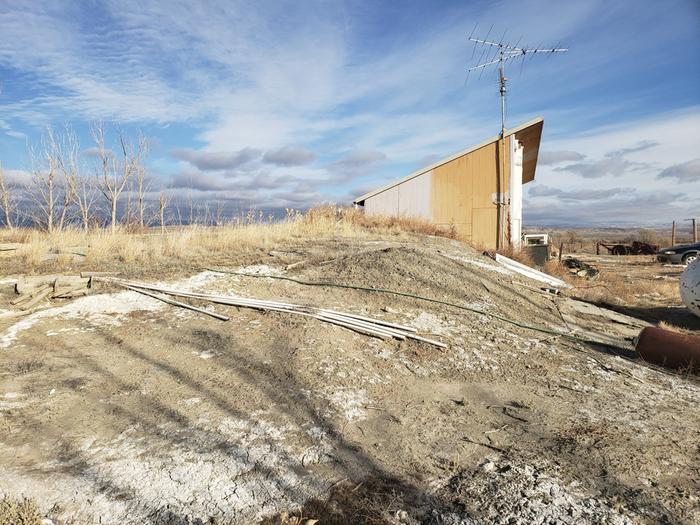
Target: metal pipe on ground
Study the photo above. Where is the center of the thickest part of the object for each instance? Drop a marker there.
(669, 349)
(358, 323)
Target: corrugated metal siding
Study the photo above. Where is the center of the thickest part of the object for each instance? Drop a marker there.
(462, 192)
(414, 197)
(463, 195)
(384, 203)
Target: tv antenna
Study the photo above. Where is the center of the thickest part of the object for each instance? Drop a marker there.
(503, 52)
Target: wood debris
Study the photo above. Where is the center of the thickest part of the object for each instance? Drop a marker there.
(32, 290)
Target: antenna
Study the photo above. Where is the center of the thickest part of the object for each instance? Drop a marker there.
(503, 53)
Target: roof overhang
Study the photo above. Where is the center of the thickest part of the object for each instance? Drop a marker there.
(528, 133)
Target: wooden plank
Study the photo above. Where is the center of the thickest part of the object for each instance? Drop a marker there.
(29, 283)
(36, 299)
(27, 296)
(97, 274)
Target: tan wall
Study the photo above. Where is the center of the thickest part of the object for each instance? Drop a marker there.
(459, 193)
(463, 194)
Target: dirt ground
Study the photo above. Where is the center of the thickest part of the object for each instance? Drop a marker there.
(118, 409)
(639, 286)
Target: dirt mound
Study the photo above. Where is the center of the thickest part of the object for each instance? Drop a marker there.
(142, 413)
(461, 276)
(406, 268)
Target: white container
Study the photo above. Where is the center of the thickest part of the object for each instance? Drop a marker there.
(690, 287)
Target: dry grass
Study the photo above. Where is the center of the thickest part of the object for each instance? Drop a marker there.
(19, 512)
(617, 288)
(199, 245)
(188, 243)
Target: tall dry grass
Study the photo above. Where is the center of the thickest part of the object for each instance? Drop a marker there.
(186, 243)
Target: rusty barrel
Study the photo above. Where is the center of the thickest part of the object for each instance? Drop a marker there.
(670, 349)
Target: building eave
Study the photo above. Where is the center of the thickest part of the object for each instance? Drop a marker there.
(534, 122)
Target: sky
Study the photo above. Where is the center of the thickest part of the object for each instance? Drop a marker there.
(289, 104)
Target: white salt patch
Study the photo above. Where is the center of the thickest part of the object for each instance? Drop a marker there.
(260, 269)
(243, 472)
(351, 403)
(427, 322)
(104, 309)
(12, 395)
(13, 403)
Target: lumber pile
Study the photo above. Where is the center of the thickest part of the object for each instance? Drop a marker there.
(33, 290)
(358, 323)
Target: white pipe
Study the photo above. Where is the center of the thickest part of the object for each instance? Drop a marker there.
(515, 189)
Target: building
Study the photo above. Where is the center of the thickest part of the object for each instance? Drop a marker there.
(478, 191)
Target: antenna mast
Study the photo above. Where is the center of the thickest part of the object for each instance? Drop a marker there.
(504, 53)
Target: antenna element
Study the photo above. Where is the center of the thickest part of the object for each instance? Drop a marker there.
(505, 52)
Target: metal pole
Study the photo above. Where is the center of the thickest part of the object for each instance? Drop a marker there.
(502, 79)
(695, 230)
(673, 233)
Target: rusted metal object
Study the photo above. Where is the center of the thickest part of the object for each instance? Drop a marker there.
(636, 248)
(669, 349)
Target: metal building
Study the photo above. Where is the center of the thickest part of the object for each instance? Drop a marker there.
(477, 191)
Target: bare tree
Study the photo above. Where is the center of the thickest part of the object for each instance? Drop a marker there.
(63, 152)
(163, 201)
(114, 173)
(7, 200)
(42, 189)
(190, 203)
(142, 187)
(80, 187)
(85, 198)
(219, 213)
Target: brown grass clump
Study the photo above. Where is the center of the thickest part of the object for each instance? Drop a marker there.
(522, 256)
(615, 288)
(178, 244)
(19, 512)
(673, 328)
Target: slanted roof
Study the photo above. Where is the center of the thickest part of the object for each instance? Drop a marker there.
(528, 133)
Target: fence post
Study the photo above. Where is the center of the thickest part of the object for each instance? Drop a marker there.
(673, 233)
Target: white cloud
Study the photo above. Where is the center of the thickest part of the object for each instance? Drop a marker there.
(288, 81)
(289, 156)
(634, 156)
(557, 157)
(683, 172)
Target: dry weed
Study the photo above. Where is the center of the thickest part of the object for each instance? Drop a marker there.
(19, 512)
(130, 245)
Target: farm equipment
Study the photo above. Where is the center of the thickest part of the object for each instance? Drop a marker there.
(636, 248)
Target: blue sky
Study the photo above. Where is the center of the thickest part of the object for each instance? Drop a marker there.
(277, 104)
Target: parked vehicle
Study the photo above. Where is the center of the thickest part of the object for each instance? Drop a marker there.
(680, 254)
